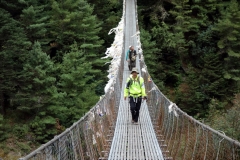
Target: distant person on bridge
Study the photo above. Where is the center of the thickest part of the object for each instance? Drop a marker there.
(135, 90)
(131, 57)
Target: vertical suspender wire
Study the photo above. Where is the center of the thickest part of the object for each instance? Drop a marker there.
(186, 140)
(73, 145)
(169, 121)
(234, 150)
(156, 111)
(179, 140)
(175, 137)
(196, 140)
(59, 154)
(80, 142)
(172, 125)
(165, 118)
(206, 145)
(87, 139)
(219, 146)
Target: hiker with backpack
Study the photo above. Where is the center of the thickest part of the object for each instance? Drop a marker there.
(131, 57)
(135, 91)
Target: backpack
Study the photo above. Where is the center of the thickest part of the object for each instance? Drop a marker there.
(130, 82)
(133, 58)
(133, 55)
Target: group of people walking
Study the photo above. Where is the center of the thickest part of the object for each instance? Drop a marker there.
(134, 89)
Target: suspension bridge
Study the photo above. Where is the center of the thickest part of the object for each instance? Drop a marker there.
(164, 131)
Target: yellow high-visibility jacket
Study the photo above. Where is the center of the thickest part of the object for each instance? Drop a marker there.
(136, 89)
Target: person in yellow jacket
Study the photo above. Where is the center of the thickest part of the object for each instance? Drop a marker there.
(135, 90)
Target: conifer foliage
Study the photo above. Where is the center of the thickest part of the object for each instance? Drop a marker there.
(198, 41)
(75, 86)
(14, 45)
(51, 72)
(228, 29)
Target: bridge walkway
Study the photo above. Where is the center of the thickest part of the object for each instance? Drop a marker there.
(133, 141)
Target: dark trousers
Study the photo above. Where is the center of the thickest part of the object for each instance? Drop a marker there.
(131, 65)
(135, 104)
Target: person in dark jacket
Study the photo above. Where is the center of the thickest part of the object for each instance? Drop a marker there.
(131, 57)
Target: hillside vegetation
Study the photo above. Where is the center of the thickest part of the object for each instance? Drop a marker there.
(192, 50)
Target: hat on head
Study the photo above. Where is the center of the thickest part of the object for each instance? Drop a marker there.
(135, 70)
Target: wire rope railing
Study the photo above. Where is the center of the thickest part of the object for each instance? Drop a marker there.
(180, 135)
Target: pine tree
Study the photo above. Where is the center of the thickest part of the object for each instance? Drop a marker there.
(152, 56)
(77, 94)
(169, 44)
(191, 94)
(13, 7)
(228, 28)
(74, 21)
(192, 18)
(36, 94)
(14, 46)
(35, 19)
(36, 82)
(211, 78)
(109, 12)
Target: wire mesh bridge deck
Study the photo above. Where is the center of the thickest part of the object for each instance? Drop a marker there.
(133, 141)
(163, 132)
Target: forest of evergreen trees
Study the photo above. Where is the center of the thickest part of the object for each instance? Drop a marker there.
(52, 72)
(196, 44)
(51, 68)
